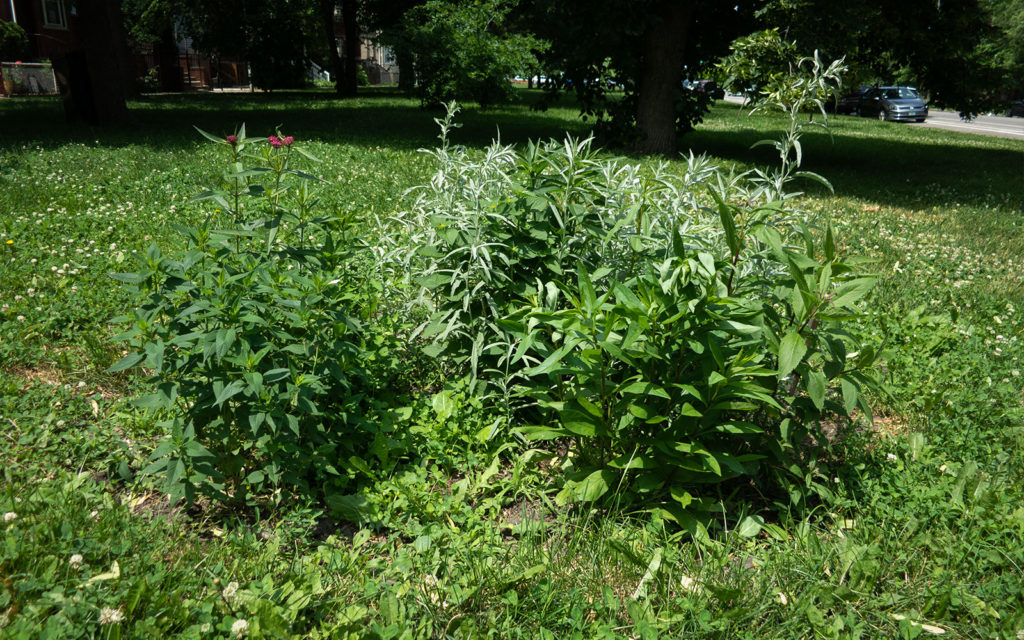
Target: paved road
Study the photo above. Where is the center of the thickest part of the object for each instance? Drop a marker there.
(999, 126)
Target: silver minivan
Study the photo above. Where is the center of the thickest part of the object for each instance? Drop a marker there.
(902, 104)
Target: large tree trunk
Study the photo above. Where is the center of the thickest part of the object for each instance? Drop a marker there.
(168, 61)
(350, 83)
(327, 8)
(94, 77)
(663, 55)
(406, 67)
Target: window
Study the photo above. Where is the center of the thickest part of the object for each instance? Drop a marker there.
(53, 14)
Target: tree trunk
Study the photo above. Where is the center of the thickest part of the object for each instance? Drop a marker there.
(327, 8)
(350, 83)
(406, 67)
(96, 74)
(663, 56)
(167, 61)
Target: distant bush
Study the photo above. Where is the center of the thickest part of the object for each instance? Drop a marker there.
(463, 51)
(13, 41)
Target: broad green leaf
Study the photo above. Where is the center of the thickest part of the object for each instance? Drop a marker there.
(433, 280)
(580, 423)
(681, 496)
(645, 389)
(130, 278)
(750, 526)
(689, 410)
(542, 433)
(852, 291)
(816, 384)
(222, 392)
(351, 508)
(792, 349)
(851, 393)
(442, 404)
(587, 294)
(127, 362)
(594, 485)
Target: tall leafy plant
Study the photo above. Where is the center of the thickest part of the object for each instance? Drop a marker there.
(253, 337)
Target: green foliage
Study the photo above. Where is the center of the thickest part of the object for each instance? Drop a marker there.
(253, 337)
(757, 62)
(924, 533)
(673, 344)
(13, 41)
(464, 51)
(948, 50)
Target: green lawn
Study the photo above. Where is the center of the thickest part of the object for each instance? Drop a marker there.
(925, 534)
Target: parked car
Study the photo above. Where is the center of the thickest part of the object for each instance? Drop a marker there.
(709, 87)
(901, 104)
(1016, 109)
(849, 102)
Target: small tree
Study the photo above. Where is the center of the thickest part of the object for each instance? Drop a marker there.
(758, 62)
(13, 41)
(463, 51)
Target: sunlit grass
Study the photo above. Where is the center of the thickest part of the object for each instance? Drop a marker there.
(926, 528)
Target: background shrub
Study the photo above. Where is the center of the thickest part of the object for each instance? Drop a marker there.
(13, 41)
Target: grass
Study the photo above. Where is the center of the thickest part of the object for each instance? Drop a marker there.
(925, 534)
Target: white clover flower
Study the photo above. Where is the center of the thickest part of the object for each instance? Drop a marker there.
(76, 561)
(891, 456)
(205, 628)
(688, 584)
(240, 628)
(10, 516)
(230, 591)
(111, 616)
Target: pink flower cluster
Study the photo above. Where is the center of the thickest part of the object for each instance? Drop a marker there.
(232, 140)
(281, 141)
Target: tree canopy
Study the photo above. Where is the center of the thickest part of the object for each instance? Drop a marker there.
(624, 61)
(936, 45)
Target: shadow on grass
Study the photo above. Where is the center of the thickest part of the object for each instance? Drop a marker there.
(381, 117)
(913, 167)
(897, 165)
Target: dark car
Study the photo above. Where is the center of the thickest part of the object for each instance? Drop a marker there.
(901, 104)
(709, 87)
(1016, 109)
(850, 102)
